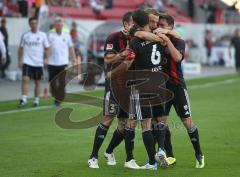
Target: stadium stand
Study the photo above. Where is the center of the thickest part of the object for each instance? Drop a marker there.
(115, 13)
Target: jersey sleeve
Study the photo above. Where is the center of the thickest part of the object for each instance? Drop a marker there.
(45, 41)
(134, 45)
(111, 46)
(180, 46)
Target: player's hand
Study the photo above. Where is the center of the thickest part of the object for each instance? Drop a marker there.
(130, 56)
(161, 31)
(164, 37)
(126, 32)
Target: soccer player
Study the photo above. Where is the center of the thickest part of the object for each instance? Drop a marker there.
(160, 128)
(61, 50)
(115, 46)
(176, 83)
(34, 44)
(148, 57)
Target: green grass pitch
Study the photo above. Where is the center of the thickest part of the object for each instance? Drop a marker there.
(32, 145)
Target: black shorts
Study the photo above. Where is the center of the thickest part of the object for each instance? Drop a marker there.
(111, 106)
(180, 102)
(158, 110)
(136, 110)
(33, 72)
(53, 71)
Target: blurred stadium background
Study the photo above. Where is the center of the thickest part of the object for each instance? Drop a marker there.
(207, 26)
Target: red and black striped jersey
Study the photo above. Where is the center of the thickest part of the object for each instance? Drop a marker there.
(115, 43)
(172, 68)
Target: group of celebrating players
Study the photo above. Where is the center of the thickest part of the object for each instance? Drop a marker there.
(147, 43)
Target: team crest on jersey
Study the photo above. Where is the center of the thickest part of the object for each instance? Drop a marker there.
(109, 46)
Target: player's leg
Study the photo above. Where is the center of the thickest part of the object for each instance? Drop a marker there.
(37, 76)
(129, 136)
(26, 70)
(100, 135)
(62, 80)
(148, 140)
(160, 129)
(37, 91)
(109, 111)
(182, 107)
(117, 138)
(52, 82)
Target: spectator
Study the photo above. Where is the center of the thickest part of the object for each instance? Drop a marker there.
(211, 10)
(61, 46)
(235, 42)
(97, 5)
(31, 60)
(109, 4)
(4, 32)
(6, 11)
(76, 41)
(23, 7)
(191, 9)
(208, 42)
(74, 32)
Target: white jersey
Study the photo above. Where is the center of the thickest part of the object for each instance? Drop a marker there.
(33, 45)
(60, 45)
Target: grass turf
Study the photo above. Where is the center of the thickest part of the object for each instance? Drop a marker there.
(33, 145)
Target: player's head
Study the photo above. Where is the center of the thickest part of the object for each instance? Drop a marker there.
(166, 21)
(153, 15)
(58, 24)
(33, 23)
(140, 18)
(127, 21)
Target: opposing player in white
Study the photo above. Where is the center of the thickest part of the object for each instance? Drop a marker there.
(34, 46)
(61, 50)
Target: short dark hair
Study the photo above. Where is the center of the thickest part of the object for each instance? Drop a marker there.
(32, 19)
(168, 18)
(127, 17)
(140, 17)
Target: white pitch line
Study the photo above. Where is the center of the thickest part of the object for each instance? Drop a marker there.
(206, 85)
(210, 84)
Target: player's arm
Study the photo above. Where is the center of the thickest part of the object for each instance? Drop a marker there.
(111, 58)
(124, 66)
(136, 32)
(148, 36)
(174, 52)
(167, 32)
(47, 52)
(20, 54)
